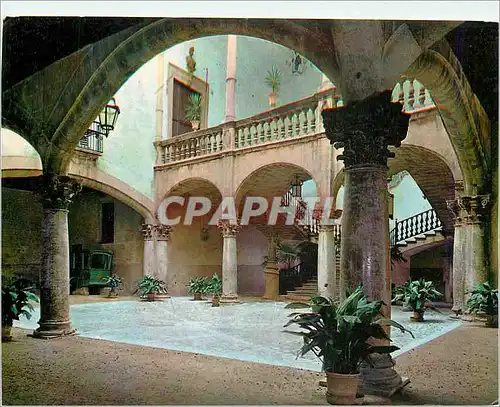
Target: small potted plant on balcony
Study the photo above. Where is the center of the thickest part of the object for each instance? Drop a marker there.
(114, 282)
(339, 335)
(417, 295)
(151, 288)
(273, 80)
(484, 300)
(215, 288)
(16, 297)
(192, 110)
(198, 286)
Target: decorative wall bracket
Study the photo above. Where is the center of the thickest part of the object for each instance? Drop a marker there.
(57, 191)
(469, 209)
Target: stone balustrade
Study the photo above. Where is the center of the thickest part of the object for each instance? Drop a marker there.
(412, 95)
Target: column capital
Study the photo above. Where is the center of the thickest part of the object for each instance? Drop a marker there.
(326, 228)
(469, 209)
(366, 128)
(58, 191)
(163, 232)
(147, 230)
(228, 227)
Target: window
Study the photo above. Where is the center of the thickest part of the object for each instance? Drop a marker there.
(180, 84)
(108, 222)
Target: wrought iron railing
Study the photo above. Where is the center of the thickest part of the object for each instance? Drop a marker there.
(414, 226)
(91, 142)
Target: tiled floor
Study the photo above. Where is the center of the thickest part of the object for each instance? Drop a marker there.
(251, 331)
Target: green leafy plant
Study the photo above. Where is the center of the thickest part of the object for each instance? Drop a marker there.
(114, 282)
(338, 334)
(417, 294)
(397, 255)
(484, 299)
(16, 297)
(215, 286)
(192, 110)
(273, 79)
(198, 285)
(401, 292)
(149, 285)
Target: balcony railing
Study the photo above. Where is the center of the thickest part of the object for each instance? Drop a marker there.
(416, 225)
(91, 141)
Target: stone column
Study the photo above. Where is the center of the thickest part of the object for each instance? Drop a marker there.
(162, 237)
(272, 271)
(230, 79)
(229, 230)
(148, 264)
(470, 263)
(57, 194)
(365, 129)
(326, 261)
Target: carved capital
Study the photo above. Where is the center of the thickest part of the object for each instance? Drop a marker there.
(469, 209)
(319, 213)
(228, 227)
(148, 231)
(57, 191)
(163, 232)
(365, 129)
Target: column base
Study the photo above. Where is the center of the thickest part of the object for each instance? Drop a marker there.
(53, 329)
(229, 299)
(381, 380)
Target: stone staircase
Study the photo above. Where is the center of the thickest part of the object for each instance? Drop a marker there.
(303, 293)
(429, 237)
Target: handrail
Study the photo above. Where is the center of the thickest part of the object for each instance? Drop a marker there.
(415, 225)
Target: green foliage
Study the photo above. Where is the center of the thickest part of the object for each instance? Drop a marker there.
(483, 299)
(273, 79)
(113, 281)
(215, 286)
(397, 255)
(192, 110)
(417, 293)
(338, 333)
(150, 285)
(16, 297)
(285, 254)
(198, 285)
(400, 292)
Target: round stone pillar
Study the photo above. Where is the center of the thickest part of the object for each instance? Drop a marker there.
(229, 230)
(148, 264)
(162, 238)
(365, 129)
(272, 271)
(57, 194)
(326, 261)
(470, 263)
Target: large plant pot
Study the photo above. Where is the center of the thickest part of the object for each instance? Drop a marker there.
(492, 321)
(6, 333)
(418, 316)
(341, 388)
(197, 296)
(215, 301)
(272, 99)
(195, 125)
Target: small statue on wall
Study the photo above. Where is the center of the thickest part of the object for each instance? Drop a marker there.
(190, 62)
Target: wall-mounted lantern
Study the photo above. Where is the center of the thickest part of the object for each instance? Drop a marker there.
(297, 187)
(106, 121)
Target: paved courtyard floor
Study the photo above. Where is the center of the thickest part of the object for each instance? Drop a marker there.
(250, 331)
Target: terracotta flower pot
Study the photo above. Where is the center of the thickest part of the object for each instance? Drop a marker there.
(195, 125)
(6, 333)
(215, 301)
(418, 316)
(272, 99)
(150, 297)
(341, 388)
(197, 296)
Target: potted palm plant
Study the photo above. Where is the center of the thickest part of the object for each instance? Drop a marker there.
(16, 297)
(484, 300)
(198, 286)
(215, 288)
(273, 80)
(113, 282)
(192, 110)
(342, 336)
(417, 295)
(339, 334)
(151, 288)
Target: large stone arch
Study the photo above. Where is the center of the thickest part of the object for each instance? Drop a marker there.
(463, 116)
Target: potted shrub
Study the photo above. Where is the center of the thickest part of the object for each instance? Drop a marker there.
(484, 300)
(399, 295)
(151, 288)
(215, 288)
(339, 335)
(16, 297)
(417, 296)
(113, 282)
(192, 110)
(273, 80)
(198, 286)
